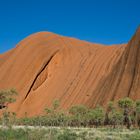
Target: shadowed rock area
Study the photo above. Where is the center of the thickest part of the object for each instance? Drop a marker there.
(46, 66)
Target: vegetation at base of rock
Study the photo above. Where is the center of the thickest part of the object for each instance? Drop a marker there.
(78, 123)
(122, 113)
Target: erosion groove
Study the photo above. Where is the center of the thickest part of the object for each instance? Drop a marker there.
(39, 73)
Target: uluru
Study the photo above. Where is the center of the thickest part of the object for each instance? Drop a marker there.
(46, 66)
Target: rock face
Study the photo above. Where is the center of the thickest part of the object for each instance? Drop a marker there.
(45, 66)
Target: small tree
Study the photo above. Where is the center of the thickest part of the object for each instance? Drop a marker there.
(6, 97)
(126, 105)
(96, 116)
(110, 107)
(115, 117)
(79, 115)
(52, 113)
(62, 119)
(138, 112)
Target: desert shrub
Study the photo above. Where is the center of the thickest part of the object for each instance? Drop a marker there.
(137, 105)
(67, 135)
(11, 134)
(96, 116)
(127, 105)
(79, 115)
(115, 116)
(134, 136)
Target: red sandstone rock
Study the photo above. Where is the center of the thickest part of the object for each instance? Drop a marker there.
(45, 66)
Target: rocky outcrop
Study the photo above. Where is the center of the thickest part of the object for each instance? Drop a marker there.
(45, 66)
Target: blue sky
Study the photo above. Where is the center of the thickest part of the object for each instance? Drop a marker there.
(101, 21)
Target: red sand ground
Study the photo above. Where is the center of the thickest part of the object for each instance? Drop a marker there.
(45, 66)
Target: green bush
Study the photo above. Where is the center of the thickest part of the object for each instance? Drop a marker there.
(67, 135)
